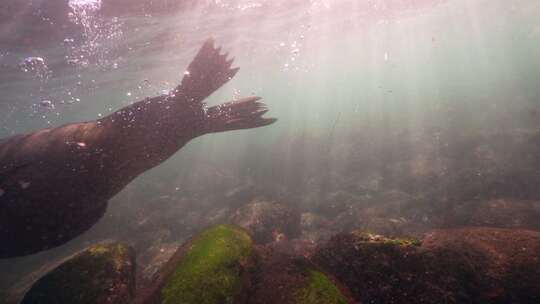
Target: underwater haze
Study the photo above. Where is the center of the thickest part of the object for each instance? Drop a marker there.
(394, 117)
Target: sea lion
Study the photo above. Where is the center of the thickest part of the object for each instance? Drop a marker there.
(55, 183)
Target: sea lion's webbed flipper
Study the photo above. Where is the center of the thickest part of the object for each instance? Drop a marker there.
(208, 71)
(244, 113)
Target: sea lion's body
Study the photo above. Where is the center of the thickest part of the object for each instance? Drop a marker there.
(55, 183)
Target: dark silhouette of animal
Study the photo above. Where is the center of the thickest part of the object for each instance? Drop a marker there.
(55, 183)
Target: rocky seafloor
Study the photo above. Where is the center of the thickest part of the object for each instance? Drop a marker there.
(223, 264)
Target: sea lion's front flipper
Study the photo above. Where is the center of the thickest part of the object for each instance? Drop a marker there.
(245, 113)
(208, 71)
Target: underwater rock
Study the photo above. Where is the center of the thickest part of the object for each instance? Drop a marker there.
(337, 202)
(470, 265)
(124, 7)
(311, 221)
(297, 247)
(99, 274)
(383, 270)
(507, 260)
(389, 213)
(316, 227)
(210, 268)
(500, 213)
(487, 183)
(474, 166)
(267, 221)
(155, 257)
(280, 278)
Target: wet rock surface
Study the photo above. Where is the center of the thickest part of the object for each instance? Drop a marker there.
(507, 260)
(469, 265)
(100, 274)
(289, 279)
(268, 221)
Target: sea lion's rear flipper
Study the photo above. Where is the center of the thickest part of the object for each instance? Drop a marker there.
(208, 71)
(245, 113)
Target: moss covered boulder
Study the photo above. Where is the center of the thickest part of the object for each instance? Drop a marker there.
(280, 278)
(210, 268)
(99, 274)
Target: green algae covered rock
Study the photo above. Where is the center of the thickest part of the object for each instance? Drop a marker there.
(319, 290)
(208, 269)
(99, 274)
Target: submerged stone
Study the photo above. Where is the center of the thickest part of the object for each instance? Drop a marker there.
(281, 278)
(210, 268)
(468, 265)
(99, 274)
(507, 260)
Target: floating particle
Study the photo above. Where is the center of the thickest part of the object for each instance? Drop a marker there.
(24, 184)
(30, 63)
(46, 104)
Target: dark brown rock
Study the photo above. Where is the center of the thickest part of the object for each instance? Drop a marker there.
(470, 265)
(280, 278)
(100, 274)
(507, 260)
